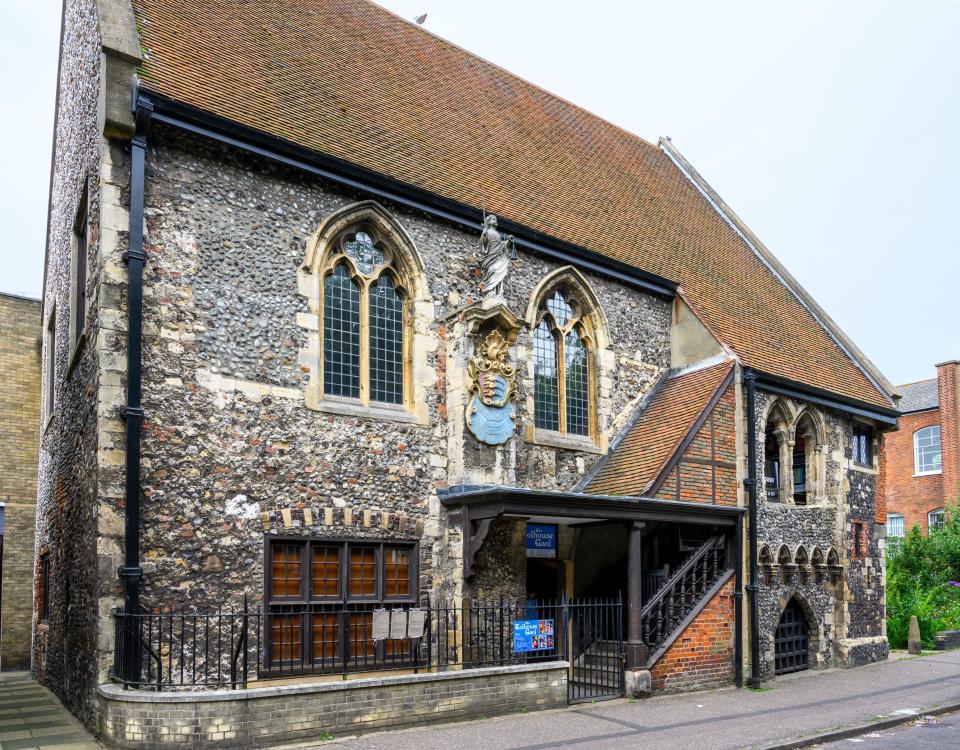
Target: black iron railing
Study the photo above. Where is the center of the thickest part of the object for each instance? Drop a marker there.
(231, 647)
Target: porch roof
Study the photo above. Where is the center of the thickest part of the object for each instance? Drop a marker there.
(490, 501)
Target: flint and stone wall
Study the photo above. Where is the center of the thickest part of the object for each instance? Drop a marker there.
(232, 452)
(244, 718)
(846, 617)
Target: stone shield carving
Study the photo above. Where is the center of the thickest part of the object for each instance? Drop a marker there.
(491, 416)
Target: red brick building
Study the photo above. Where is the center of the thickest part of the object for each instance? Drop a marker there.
(919, 462)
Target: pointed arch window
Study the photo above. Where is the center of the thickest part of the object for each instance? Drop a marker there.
(365, 321)
(562, 367)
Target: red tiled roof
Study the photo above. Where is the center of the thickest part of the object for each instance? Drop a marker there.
(654, 438)
(351, 80)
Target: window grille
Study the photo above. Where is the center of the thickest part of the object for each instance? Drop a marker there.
(927, 454)
(386, 342)
(561, 369)
(341, 334)
(895, 527)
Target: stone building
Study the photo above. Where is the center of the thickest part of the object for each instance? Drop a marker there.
(920, 462)
(19, 434)
(342, 318)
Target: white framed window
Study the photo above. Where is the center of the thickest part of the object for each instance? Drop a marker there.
(895, 528)
(926, 450)
(935, 519)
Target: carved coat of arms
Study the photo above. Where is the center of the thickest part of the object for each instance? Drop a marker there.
(491, 416)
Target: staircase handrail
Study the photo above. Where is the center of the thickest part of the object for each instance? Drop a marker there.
(668, 585)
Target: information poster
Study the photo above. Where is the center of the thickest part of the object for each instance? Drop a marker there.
(532, 635)
(415, 623)
(381, 624)
(398, 624)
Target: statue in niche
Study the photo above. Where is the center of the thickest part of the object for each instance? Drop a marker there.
(496, 252)
(491, 416)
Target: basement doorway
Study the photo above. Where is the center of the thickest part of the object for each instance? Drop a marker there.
(792, 640)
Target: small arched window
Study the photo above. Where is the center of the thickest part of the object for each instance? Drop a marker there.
(927, 457)
(364, 321)
(936, 520)
(562, 367)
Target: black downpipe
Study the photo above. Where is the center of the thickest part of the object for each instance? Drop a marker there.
(738, 603)
(131, 572)
(750, 378)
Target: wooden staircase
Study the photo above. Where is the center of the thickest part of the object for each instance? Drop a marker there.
(683, 596)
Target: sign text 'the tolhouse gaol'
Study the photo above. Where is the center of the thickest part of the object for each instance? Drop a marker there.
(541, 540)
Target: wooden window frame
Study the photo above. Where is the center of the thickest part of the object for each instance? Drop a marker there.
(339, 605)
(936, 512)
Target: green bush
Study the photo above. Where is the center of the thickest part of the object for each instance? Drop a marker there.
(923, 579)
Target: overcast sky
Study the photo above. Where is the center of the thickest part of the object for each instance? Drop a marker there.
(832, 128)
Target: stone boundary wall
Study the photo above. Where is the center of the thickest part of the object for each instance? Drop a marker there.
(290, 713)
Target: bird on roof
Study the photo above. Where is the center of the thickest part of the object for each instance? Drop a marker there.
(421, 19)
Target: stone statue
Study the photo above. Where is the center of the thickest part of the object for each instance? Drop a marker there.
(495, 256)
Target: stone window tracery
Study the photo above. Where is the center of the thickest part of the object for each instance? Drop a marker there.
(365, 321)
(562, 345)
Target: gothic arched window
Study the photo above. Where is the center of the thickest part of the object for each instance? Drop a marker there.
(364, 322)
(561, 370)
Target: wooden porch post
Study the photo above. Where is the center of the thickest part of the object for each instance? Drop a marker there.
(636, 651)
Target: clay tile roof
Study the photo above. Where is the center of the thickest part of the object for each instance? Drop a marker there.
(919, 396)
(351, 80)
(653, 438)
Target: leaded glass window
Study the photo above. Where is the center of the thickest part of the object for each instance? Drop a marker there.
(341, 334)
(546, 389)
(561, 354)
(575, 374)
(386, 342)
(364, 322)
(365, 254)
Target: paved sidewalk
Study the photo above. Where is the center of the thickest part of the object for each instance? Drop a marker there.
(31, 718)
(790, 709)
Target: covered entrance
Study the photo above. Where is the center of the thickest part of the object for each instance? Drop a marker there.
(792, 640)
(629, 573)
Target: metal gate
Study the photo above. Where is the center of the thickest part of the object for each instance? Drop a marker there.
(594, 636)
(792, 640)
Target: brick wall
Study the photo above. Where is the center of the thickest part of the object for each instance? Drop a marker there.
(702, 657)
(905, 493)
(290, 713)
(707, 469)
(948, 374)
(19, 435)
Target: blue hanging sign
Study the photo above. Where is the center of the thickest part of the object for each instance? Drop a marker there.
(541, 540)
(532, 635)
